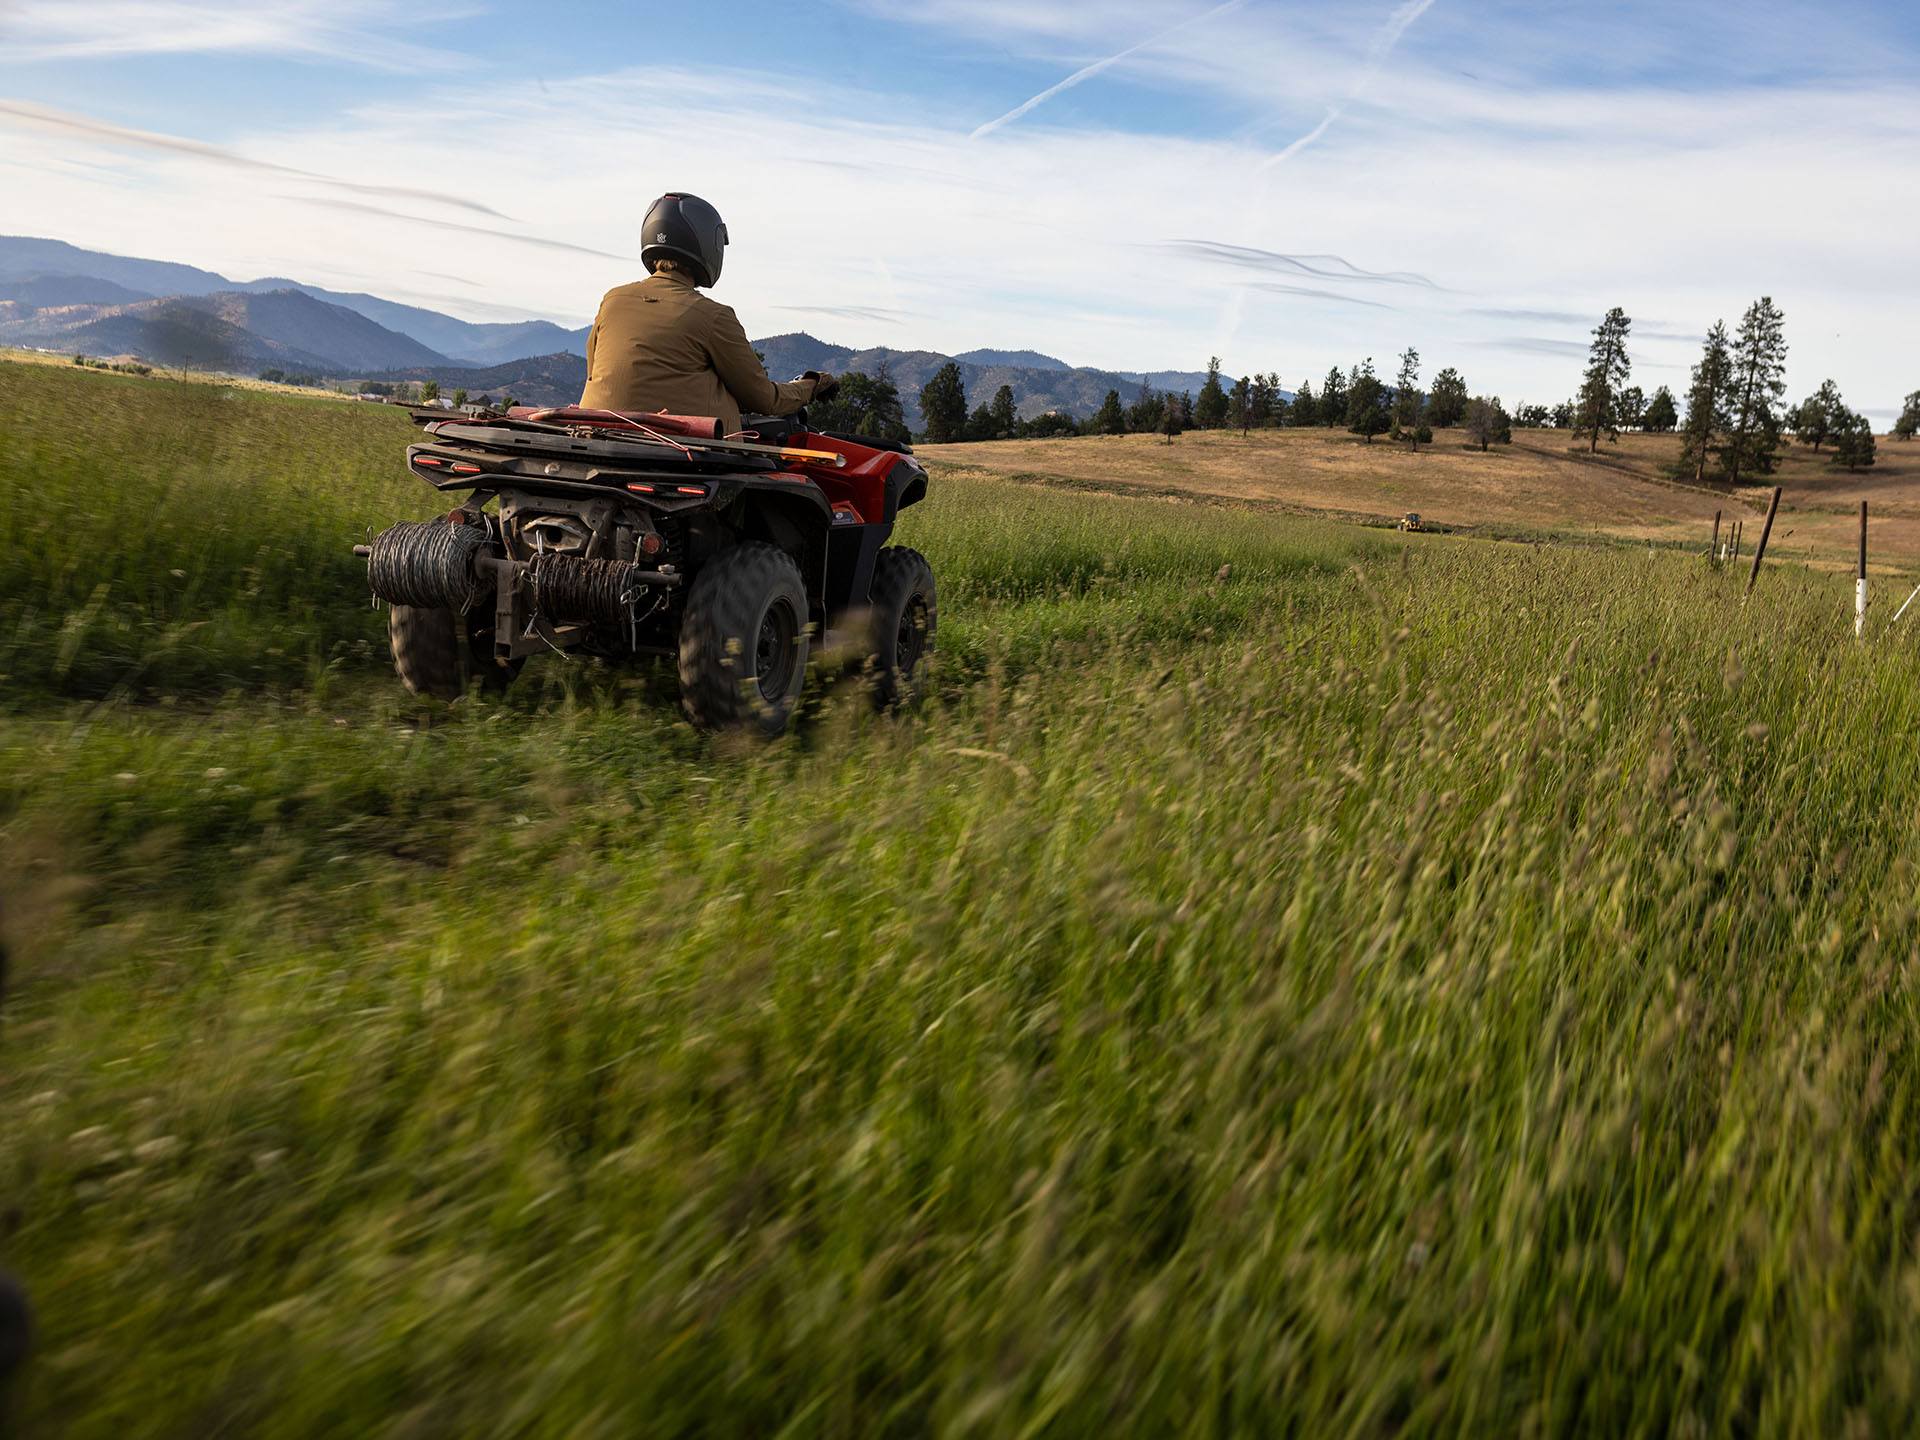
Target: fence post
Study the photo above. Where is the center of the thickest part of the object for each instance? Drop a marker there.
(1760, 550)
(1713, 550)
(1860, 581)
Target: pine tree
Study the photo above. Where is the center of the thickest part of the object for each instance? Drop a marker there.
(1406, 399)
(1853, 444)
(1210, 410)
(1632, 407)
(1367, 414)
(980, 425)
(1240, 404)
(1170, 419)
(1706, 402)
(1909, 421)
(1306, 410)
(1661, 415)
(1816, 419)
(864, 405)
(1758, 380)
(1260, 400)
(1109, 419)
(943, 405)
(1186, 409)
(1005, 417)
(1333, 399)
(1146, 412)
(1486, 423)
(1607, 369)
(1447, 401)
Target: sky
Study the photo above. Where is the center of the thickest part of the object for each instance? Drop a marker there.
(1133, 184)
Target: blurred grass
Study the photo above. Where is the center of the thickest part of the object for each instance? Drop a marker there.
(1386, 988)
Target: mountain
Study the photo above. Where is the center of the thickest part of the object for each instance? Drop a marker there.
(470, 342)
(38, 292)
(60, 297)
(1018, 359)
(226, 330)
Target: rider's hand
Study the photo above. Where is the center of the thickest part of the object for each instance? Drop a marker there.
(824, 386)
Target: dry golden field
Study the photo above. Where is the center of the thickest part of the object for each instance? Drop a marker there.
(1544, 483)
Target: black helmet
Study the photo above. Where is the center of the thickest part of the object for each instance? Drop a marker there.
(686, 228)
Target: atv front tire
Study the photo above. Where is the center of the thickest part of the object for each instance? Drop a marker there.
(744, 641)
(903, 614)
(439, 654)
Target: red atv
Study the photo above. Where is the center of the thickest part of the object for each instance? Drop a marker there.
(624, 535)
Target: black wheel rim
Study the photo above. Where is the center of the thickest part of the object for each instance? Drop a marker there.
(774, 650)
(911, 641)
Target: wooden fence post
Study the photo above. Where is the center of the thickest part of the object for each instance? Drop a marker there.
(1713, 550)
(1860, 581)
(1760, 550)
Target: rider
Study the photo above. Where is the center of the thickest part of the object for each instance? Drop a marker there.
(659, 344)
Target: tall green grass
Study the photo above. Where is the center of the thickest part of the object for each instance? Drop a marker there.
(1284, 980)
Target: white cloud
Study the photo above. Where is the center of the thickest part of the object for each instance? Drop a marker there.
(361, 32)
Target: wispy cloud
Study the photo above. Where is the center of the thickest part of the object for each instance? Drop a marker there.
(41, 117)
(1271, 287)
(1321, 267)
(1384, 39)
(369, 33)
(871, 313)
(1087, 72)
(355, 207)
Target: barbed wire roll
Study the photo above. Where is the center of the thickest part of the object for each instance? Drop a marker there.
(427, 563)
(566, 587)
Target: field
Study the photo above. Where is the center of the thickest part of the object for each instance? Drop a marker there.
(1287, 978)
(1545, 483)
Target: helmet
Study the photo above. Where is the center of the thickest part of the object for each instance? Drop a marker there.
(688, 229)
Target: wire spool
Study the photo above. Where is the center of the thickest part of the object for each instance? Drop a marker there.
(568, 588)
(426, 563)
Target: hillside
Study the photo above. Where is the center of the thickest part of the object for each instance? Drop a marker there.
(1543, 484)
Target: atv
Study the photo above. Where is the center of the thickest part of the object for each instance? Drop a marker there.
(629, 535)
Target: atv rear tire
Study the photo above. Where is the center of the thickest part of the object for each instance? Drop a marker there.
(744, 641)
(439, 654)
(903, 614)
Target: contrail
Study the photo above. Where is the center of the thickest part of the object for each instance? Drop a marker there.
(1097, 66)
(1384, 40)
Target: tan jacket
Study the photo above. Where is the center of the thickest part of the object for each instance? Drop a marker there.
(660, 344)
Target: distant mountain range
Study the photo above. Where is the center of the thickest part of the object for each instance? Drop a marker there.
(56, 296)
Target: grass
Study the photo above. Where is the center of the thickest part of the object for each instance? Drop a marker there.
(1545, 482)
(1287, 979)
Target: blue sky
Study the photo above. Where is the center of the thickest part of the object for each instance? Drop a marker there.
(1136, 184)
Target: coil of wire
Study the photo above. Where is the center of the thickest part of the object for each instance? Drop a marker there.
(427, 563)
(567, 587)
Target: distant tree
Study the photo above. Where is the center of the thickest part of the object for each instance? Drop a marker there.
(1563, 415)
(1186, 410)
(1853, 444)
(1170, 425)
(943, 405)
(1532, 417)
(1407, 400)
(459, 398)
(429, 391)
(1210, 410)
(1447, 401)
(865, 405)
(1261, 398)
(1816, 419)
(1607, 369)
(1661, 415)
(1909, 421)
(1367, 414)
(1759, 368)
(508, 403)
(1109, 419)
(980, 425)
(1240, 404)
(1005, 416)
(1306, 410)
(1333, 398)
(272, 375)
(1486, 423)
(1706, 402)
(1145, 414)
(1050, 425)
(1632, 407)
